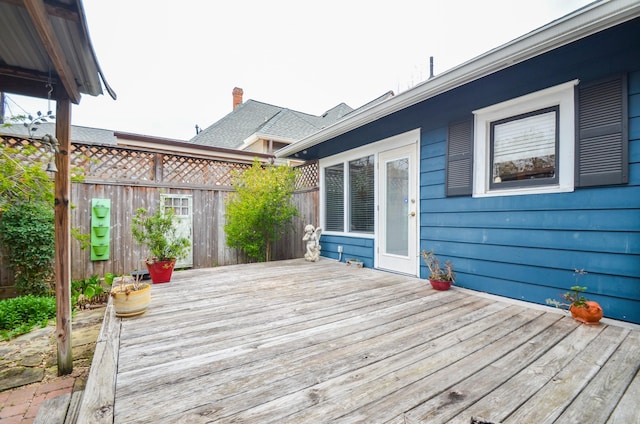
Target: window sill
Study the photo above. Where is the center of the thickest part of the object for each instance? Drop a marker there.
(526, 191)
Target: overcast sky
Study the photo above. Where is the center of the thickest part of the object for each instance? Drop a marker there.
(174, 64)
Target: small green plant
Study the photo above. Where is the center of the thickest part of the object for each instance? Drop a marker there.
(19, 315)
(158, 233)
(436, 272)
(574, 295)
(127, 284)
(88, 291)
(83, 238)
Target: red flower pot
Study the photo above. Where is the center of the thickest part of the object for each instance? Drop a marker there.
(588, 314)
(161, 271)
(440, 285)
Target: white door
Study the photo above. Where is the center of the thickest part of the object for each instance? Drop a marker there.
(397, 231)
(182, 207)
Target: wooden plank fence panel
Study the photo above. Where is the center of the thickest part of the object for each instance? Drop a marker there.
(132, 178)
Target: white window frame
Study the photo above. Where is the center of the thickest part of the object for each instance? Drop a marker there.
(561, 95)
(358, 153)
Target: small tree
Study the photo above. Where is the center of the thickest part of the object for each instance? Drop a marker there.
(261, 209)
(22, 179)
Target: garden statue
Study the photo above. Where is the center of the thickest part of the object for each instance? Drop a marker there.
(312, 237)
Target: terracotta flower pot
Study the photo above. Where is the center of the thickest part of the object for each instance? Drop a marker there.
(440, 285)
(161, 271)
(591, 313)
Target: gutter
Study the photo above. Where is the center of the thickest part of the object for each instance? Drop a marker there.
(579, 24)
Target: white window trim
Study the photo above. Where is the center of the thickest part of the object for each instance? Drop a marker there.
(561, 95)
(393, 142)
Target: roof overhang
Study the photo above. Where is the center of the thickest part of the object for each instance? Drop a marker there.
(45, 45)
(582, 23)
(180, 147)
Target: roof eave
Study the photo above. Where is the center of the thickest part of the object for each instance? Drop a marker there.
(592, 18)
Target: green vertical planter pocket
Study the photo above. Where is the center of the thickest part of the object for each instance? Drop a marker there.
(100, 211)
(100, 250)
(100, 229)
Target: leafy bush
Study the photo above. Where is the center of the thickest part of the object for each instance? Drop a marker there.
(27, 234)
(22, 179)
(261, 209)
(88, 290)
(19, 315)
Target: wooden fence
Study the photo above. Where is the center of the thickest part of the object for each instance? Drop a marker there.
(133, 178)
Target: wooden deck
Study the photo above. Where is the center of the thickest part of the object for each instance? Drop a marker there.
(321, 342)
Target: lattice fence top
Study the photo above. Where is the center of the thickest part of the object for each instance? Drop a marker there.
(110, 163)
(308, 175)
(199, 171)
(41, 154)
(113, 163)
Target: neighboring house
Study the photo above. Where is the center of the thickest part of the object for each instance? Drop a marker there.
(520, 166)
(263, 128)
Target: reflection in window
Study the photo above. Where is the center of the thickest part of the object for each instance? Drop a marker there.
(361, 195)
(524, 149)
(334, 197)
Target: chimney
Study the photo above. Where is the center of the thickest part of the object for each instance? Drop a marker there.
(237, 97)
(430, 67)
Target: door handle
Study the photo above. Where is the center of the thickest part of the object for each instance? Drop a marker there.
(412, 214)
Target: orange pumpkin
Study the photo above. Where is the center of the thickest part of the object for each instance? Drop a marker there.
(591, 313)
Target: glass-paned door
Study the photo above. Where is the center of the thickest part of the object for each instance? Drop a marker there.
(398, 210)
(183, 209)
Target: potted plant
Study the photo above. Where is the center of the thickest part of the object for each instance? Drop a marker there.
(158, 233)
(582, 309)
(130, 296)
(441, 278)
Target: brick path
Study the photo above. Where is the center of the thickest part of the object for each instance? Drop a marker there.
(20, 406)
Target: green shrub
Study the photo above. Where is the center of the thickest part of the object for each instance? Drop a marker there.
(19, 315)
(261, 209)
(27, 234)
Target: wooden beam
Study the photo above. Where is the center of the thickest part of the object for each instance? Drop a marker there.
(29, 83)
(43, 27)
(53, 8)
(62, 227)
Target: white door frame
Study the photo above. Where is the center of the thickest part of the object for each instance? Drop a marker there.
(181, 203)
(409, 263)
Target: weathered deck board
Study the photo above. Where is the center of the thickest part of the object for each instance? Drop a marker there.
(292, 341)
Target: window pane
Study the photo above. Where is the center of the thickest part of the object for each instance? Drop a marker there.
(524, 149)
(334, 198)
(361, 195)
(397, 207)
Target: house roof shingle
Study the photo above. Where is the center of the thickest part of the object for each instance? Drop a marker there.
(273, 122)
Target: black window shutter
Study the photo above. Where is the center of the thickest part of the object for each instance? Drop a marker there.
(459, 172)
(602, 146)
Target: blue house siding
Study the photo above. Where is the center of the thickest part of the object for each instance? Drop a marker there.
(353, 248)
(526, 247)
(523, 246)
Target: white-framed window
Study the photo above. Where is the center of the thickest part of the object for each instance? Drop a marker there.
(526, 145)
(356, 178)
(348, 191)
